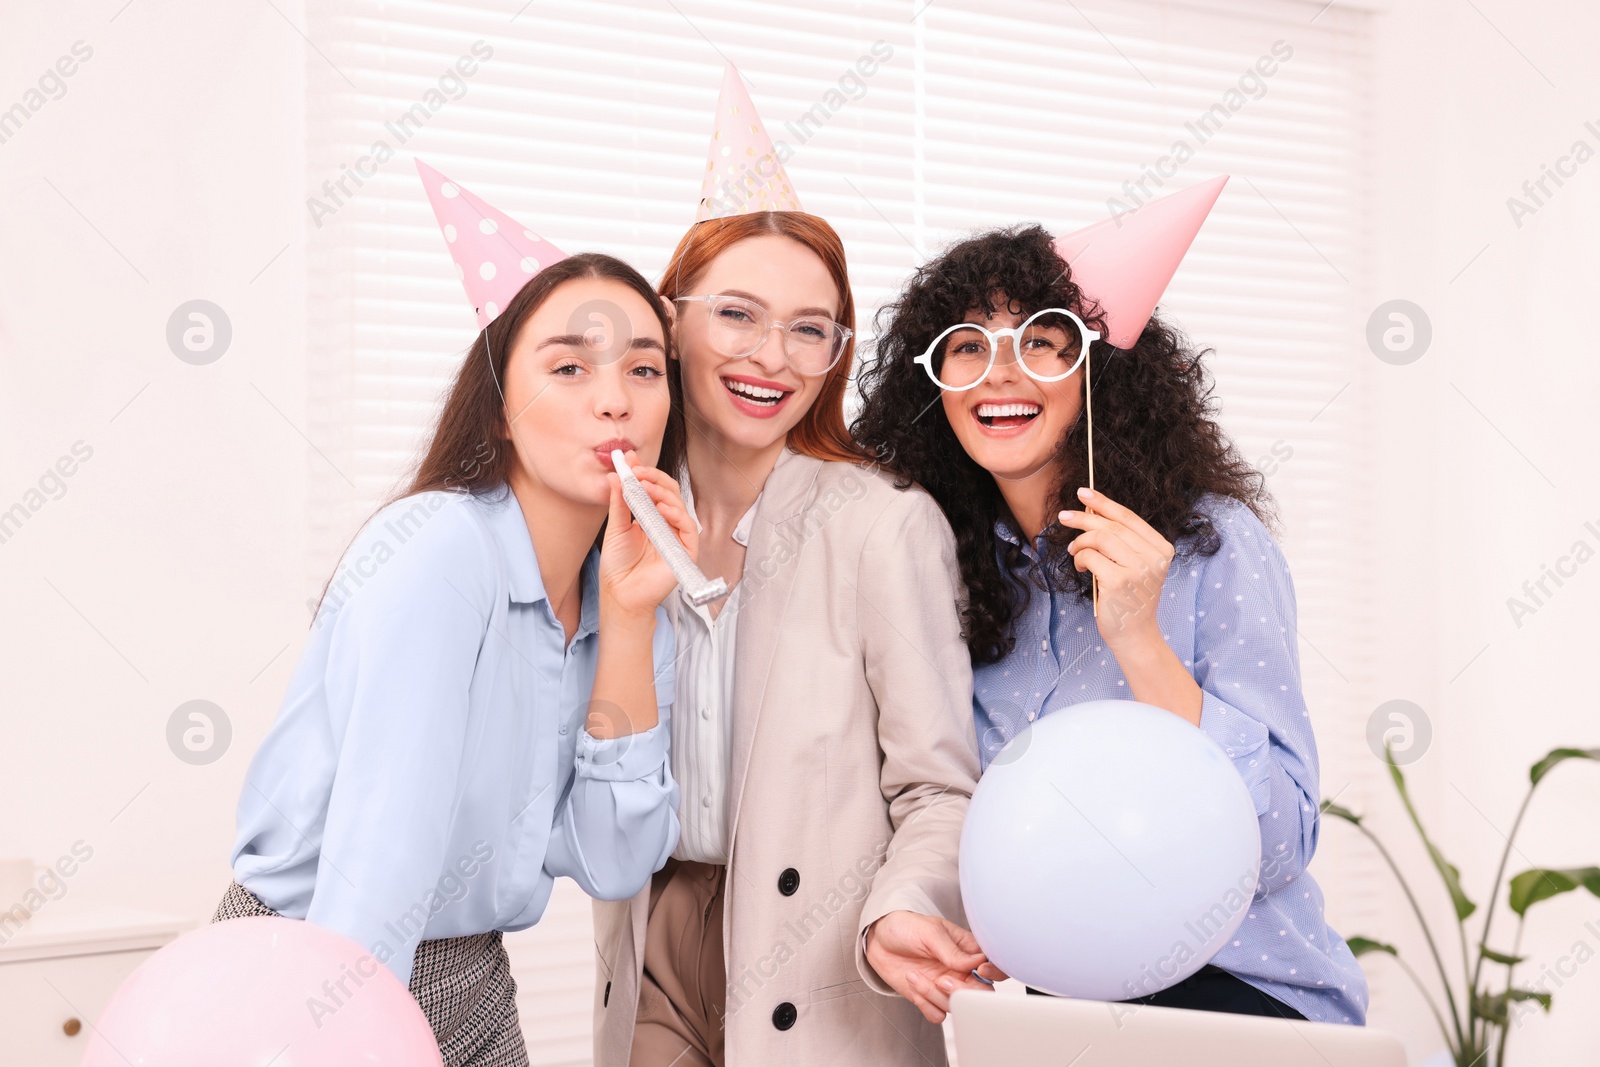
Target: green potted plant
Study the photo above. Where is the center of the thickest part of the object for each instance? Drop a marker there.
(1479, 1022)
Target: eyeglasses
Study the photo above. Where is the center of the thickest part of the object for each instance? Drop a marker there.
(738, 327)
(1050, 346)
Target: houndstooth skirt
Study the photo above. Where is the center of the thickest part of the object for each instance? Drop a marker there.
(463, 985)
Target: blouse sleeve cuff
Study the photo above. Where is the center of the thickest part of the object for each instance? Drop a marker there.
(1243, 740)
(623, 759)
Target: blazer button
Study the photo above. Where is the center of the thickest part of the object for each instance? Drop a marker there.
(784, 1015)
(606, 999)
(788, 881)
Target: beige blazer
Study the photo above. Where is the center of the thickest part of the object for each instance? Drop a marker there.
(854, 758)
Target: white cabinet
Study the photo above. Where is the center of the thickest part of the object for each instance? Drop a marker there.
(58, 973)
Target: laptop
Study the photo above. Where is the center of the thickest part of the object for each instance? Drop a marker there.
(1006, 1030)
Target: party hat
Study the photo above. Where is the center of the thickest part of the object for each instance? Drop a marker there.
(1124, 264)
(495, 254)
(744, 172)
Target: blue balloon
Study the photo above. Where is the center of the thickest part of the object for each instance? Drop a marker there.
(1109, 852)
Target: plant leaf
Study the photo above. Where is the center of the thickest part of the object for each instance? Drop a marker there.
(1360, 946)
(1447, 870)
(1559, 755)
(1531, 994)
(1452, 880)
(1330, 808)
(1495, 1008)
(1499, 957)
(1530, 887)
(1492, 1008)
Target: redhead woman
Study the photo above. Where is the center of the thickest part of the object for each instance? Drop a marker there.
(821, 732)
(483, 704)
(1195, 610)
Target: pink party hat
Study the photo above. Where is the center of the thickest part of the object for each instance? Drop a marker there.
(744, 172)
(495, 254)
(1124, 264)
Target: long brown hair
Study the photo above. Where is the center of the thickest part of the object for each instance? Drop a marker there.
(470, 448)
(821, 431)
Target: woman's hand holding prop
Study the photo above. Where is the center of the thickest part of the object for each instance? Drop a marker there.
(634, 580)
(666, 523)
(635, 575)
(1130, 560)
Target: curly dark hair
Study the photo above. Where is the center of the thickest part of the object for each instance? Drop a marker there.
(1158, 446)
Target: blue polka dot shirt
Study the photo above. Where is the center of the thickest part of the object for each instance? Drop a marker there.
(1230, 617)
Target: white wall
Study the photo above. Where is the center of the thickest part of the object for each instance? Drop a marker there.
(1458, 513)
(168, 570)
(172, 567)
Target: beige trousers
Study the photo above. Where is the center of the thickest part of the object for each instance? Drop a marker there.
(683, 990)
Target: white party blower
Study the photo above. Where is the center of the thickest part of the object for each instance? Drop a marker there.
(696, 586)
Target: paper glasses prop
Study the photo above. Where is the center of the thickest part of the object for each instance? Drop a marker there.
(696, 586)
(1041, 346)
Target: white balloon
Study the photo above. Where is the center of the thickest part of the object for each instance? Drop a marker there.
(1111, 849)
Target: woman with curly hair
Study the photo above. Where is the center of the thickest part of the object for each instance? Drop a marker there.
(976, 393)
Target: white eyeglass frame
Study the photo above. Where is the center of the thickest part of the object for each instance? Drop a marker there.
(845, 332)
(1015, 333)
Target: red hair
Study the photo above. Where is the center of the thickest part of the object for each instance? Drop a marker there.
(821, 431)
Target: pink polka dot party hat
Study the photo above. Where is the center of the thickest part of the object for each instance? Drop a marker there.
(495, 255)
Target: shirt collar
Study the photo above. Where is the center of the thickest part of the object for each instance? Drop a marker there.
(510, 528)
(1006, 532)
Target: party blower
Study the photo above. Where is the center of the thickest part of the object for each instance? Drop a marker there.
(699, 588)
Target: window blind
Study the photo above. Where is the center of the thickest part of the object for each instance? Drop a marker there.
(589, 123)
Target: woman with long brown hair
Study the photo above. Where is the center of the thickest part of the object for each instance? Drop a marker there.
(821, 732)
(483, 704)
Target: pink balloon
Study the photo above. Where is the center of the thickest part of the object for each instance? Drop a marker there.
(262, 990)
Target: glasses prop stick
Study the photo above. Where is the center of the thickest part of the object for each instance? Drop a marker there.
(699, 589)
(1088, 409)
(1124, 265)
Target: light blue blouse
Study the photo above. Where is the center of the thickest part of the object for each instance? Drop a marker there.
(428, 774)
(1230, 617)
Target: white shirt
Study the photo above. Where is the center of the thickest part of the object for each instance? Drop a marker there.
(702, 714)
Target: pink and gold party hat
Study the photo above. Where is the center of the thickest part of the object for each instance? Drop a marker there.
(1125, 264)
(744, 171)
(495, 254)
